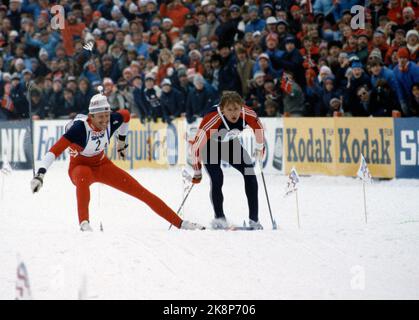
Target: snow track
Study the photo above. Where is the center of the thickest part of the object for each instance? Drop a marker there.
(333, 256)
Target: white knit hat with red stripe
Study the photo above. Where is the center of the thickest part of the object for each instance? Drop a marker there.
(99, 103)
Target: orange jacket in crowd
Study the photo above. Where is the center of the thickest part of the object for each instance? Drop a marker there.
(175, 12)
(68, 33)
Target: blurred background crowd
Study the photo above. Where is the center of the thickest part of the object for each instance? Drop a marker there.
(171, 58)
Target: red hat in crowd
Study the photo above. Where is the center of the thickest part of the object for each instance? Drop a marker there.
(97, 14)
(403, 53)
(295, 8)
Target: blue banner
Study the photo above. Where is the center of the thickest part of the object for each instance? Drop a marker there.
(406, 137)
(15, 144)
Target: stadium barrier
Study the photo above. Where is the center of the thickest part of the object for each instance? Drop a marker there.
(15, 144)
(327, 146)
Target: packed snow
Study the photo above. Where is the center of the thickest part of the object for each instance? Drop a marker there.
(334, 255)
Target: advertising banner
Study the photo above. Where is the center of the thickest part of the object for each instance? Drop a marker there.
(46, 134)
(152, 145)
(309, 145)
(407, 147)
(333, 146)
(15, 144)
(371, 137)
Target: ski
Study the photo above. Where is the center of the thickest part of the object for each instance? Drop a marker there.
(234, 228)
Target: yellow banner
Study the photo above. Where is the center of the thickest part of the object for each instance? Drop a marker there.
(333, 146)
(152, 145)
(309, 145)
(371, 137)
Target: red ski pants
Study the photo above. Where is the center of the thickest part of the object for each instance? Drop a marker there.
(107, 173)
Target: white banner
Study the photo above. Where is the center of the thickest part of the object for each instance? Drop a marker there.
(46, 134)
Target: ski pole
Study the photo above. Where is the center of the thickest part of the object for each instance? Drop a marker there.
(183, 202)
(274, 226)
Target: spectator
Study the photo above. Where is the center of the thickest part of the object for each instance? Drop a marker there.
(149, 102)
(406, 74)
(72, 30)
(293, 96)
(176, 11)
(116, 100)
(271, 109)
(229, 79)
(292, 60)
(207, 25)
(412, 39)
(414, 106)
(335, 105)
(255, 23)
(200, 98)
(356, 78)
(195, 61)
(256, 97)
(83, 95)
(227, 29)
(329, 92)
(56, 101)
(17, 94)
(244, 70)
(172, 102)
(165, 65)
(127, 93)
(371, 102)
(109, 68)
(263, 63)
(378, 71)
(70, 107)
(275, 55)
(6, 107)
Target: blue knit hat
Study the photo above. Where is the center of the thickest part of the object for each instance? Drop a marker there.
(357, 64)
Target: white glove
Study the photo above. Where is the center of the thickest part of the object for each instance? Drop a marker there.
(37, 182)
(121, 147)
(88, 46)
(197, 177)
(259, 153)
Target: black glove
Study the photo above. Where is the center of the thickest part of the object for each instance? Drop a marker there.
(122, 147)
(38, 180)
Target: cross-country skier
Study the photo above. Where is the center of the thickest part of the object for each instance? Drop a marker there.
(87, 137)
(216, 140)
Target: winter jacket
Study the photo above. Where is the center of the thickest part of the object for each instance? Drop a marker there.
(172, 104)
(228, 77)
(406, 80)
(198, 102)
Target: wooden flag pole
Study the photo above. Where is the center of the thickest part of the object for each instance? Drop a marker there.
(298, 211)
(365, 202)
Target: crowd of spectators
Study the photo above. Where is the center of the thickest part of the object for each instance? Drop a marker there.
(171, 58)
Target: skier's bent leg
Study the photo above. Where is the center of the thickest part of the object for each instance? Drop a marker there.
(82, 178)
(119, 179)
